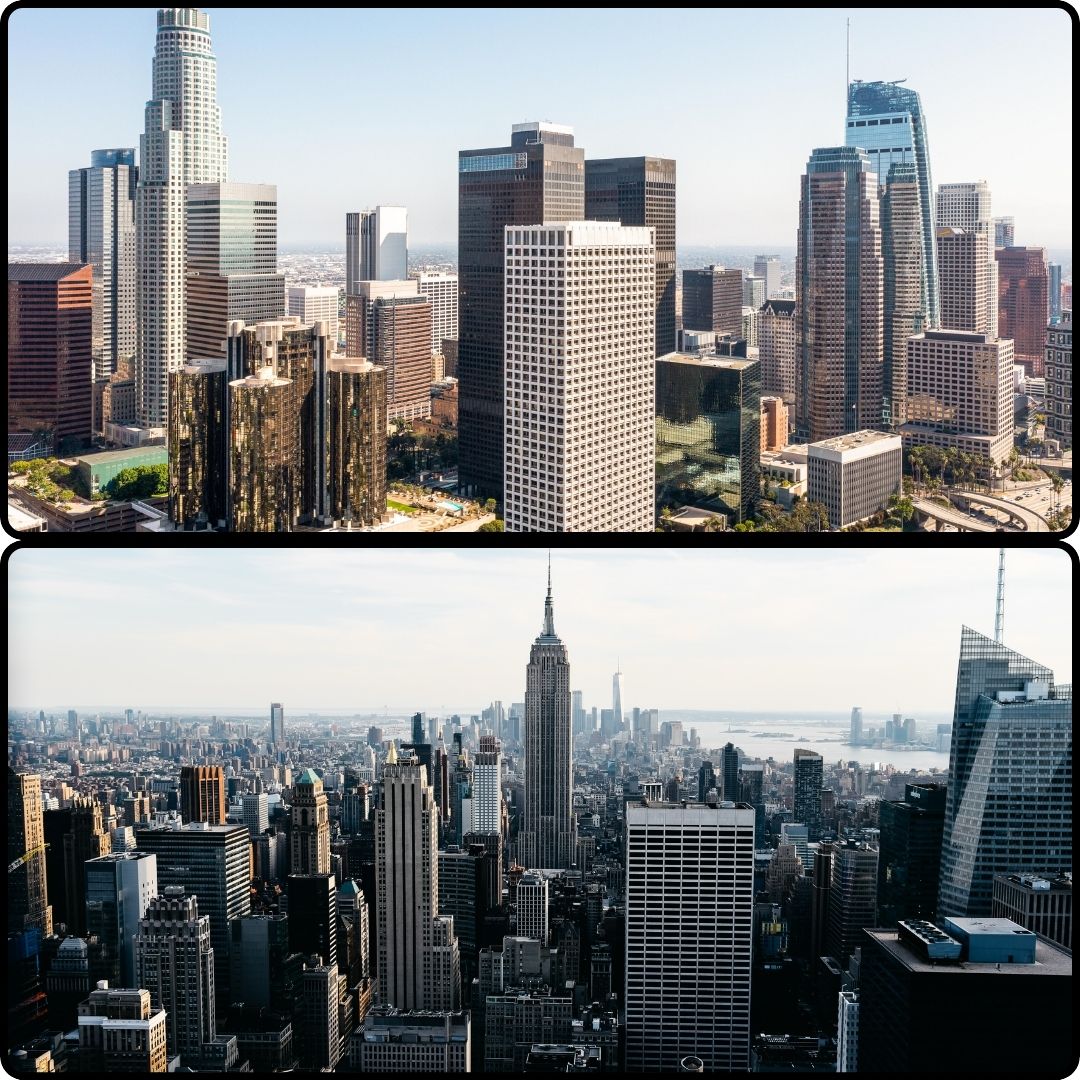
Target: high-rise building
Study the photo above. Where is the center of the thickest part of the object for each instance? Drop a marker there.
(87, 839)
(707, 780)
(277, 725)
(264, 970)
(1038, 904)
(119, 887)
(441, 289)
(313, 917)
(256, 810)
(856, 726)
(641, 191)
(1023, 304)
(1059, 380)
(487, 787)
(807, 800)
(960, 393)
(1004, 232)
(27, 892)
(729, 764)
(906, 304)
(616, 700)
(712, 300)
(182, 145)
(1054, 274)
(708, 433)
(852, 897)
(910, 854)
(101, 231)
(407, 882)
(532, 906)
(310, 826)
(540, 176)
(853, 475)
(376, 246)
(838, 287)
(753, 293)
(356, 469)
(820, 888)
(776, 349)
(231, 262)
(965, 209)
(688, 978)
(546, 840)
(847, 1032)
(769, 269)
(197, 444)
(886, 120)
(1012, 731)
(321, 1046)
(202, 794)
(579, 445)
(50, 350)
(314, 303)
(121, 1031)
(752, 780)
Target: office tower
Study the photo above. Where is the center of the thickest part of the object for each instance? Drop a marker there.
(487, 787)
(1012, 730)
(707, 780)
(708, 433)
(532, 907)
(516, 1019)
(256, 810)
(965, 210)
(712, 300)
(688, 977)
(616, 700)
(395, 1041)
(86, 840)
(356, 472)
(441, 289)
(120, 1031)
(546, 840)
(539, 177)
(196, 441)
(27, 892)
(263, 453)
(1023, 304)
(355, 954)
(579, 443)
(847, 1032)
(1036, 903)
(797, 834)
(314, 303)
(310, 826)
(945, 1000)
(407, 882)
(641, 191)
(729, 760)
(277, 725)
(182, 145)
(820, 890)
(50, 351)
(101, 232)
(202, 794)
(905, 302)
(838, 287)
(1004, 232)
(213, 862)
(854, 475)
(1054, 277)
(445, 975)
(264, 970)
(1059, 380)
(321, 1044)
(313, 917)
(807, 804)
(769, 269)
(376, 246)
(856, 726)
(118, 887)
(753, 293)
(910, 854)
(774, 424)
(175, 962)
(777, 322)
(231, 262)
(852, 897)
(960, 393)
(752, 780)
(886, 120)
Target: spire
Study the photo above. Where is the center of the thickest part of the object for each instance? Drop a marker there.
(391, 754)
(549, 614)
(999, 614)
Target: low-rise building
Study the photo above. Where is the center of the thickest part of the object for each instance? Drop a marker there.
(417, 1041)
(1040, 904)
(853, 475)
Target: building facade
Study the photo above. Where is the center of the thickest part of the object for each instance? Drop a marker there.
(119, 887)
(376, 246)
(852, 897)
(1059, 380)
(198, 462)
(806, 807)
(358, 418)
(909, 862)
(441, 289)
(403, 1041)
(712, 300)
(28, 895)
(121, 1031)
(202, 794)
(309, 838)
(769, 269)
(1023, 304)
(777, 323)
(966, 207)
(314, 303)
(854, 475)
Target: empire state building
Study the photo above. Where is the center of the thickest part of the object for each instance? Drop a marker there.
(547, 836)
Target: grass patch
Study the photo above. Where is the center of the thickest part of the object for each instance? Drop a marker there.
(400, 507)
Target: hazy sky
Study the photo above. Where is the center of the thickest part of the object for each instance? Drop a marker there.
(344, 108)
(423, 629)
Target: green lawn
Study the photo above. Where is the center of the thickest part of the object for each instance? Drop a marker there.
(404, 508)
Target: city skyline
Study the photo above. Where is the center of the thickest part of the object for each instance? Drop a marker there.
(358, 614)
(794, 78)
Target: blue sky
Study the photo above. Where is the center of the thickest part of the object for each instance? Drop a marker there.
(346, 108)
(422, 629)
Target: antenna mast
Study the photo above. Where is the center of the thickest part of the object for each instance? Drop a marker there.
(999, 616)
(847, 75)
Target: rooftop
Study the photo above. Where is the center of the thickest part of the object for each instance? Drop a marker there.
(729, 363)
(855, 440)
(1049, 959)
(42, 271)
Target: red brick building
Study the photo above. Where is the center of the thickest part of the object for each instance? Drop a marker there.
(1024, 304)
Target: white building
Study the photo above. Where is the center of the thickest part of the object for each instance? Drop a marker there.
(854, 474)
(182, 145)
(967, 206)
(313, 303)
(376, 246)
(847, 1032)
(532, 907)
(442, 290)
(689, 930)
(769, 269)
(487, 787)
(256, 811)
(579, 450)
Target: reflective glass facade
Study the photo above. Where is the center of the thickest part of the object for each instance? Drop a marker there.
(197, 460)
(357, 437)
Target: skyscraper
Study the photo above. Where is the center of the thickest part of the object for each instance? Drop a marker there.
(356, 470)
(86, 840)
(886, 120)
(119, 886)
(1054, 271)
(856, 726)
(120, 1031)
(315, 303)
(966, 207)
(310, 836)
(256, 810)
(277, 725)
(547, 831)
(1004, 232)
(182, 144)
(729, 764)
(1023, 304)
(838, 282)
(807, 804)
(579, 445)
(909, 863)
(777, 321)
(769, 269)
(198, 463)
(101, 231)
(202, 794)
(1059, 380)
(706, 780)
(1012, 732)
(441, 289)
(852, 897)
(688, 977)
(532, 907)
(27, 893)
(616, 700)
(641, 191)
(539, 177)
(376, 246)
(712, 300)
(487, 787)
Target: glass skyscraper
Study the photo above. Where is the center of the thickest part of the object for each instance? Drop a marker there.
(886, 120)
(1009, 806)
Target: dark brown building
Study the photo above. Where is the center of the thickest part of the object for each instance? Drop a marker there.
(641, 191)
(1024, 304)
(197, 429)
(400, 341)
(50, 350)
(712, 300)
(202, 794)
(357, 435)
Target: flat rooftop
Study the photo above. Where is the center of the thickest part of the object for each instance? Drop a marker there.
(854, 440)
(1048, 959)
(729, 363)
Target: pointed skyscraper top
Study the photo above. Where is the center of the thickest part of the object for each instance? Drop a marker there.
(549, 613)
(391, 755)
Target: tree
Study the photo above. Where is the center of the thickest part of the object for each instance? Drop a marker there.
(713, 524)
(498, 525)
(902, 507)
(139, 482)
(489, 506)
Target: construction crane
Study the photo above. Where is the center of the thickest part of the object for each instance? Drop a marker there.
(26, 857)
